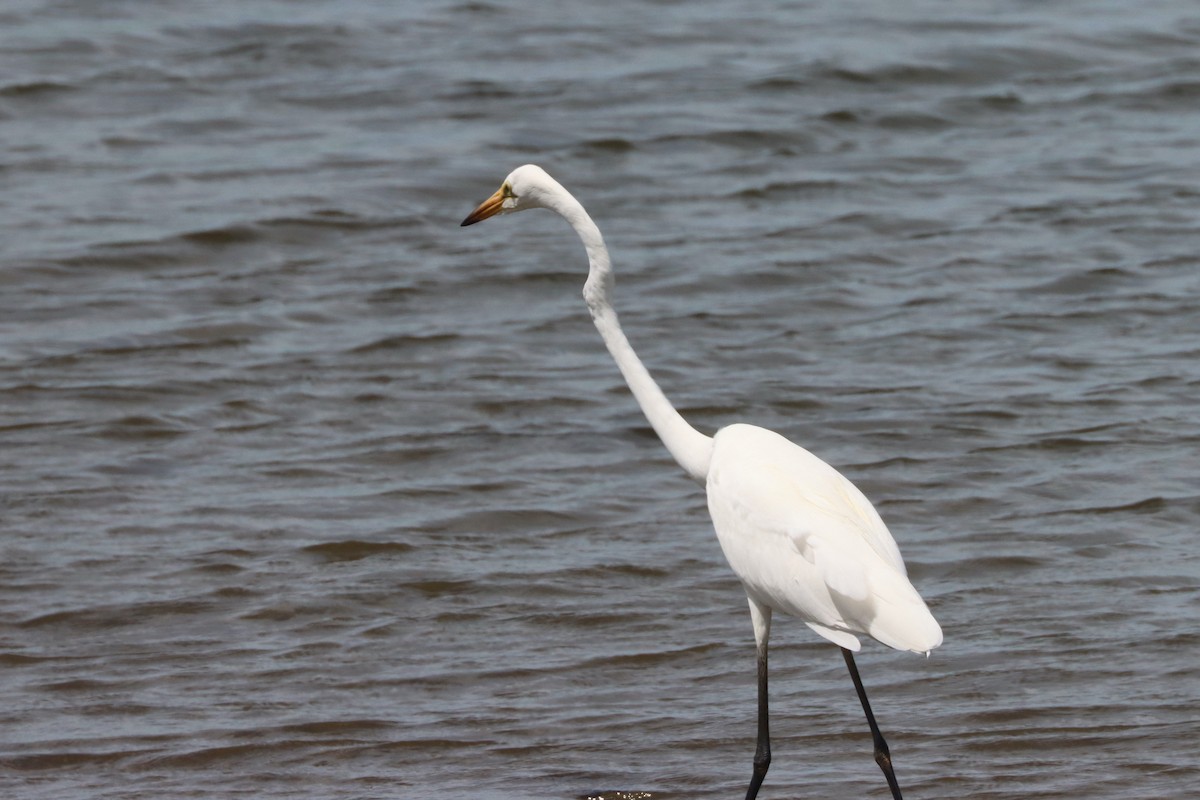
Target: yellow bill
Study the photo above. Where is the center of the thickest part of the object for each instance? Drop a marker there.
(488, 208)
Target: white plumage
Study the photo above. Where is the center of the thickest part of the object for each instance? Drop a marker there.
(803, 539)
(806, 542)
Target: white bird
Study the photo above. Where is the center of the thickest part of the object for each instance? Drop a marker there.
(802, 538)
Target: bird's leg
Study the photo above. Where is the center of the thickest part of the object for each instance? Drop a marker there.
(762, 753)
(761, 616)
(883, 757)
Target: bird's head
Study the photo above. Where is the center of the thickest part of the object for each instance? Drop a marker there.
(525, 187)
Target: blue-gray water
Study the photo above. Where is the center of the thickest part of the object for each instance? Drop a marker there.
(305, 491)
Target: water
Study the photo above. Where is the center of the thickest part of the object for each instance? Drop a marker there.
(308, 492)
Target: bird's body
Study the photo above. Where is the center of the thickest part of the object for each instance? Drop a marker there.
(802, 538)
(805, 542)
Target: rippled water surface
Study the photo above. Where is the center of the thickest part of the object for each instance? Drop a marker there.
(308, 492)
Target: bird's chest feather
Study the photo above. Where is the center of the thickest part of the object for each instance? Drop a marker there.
(752, 516)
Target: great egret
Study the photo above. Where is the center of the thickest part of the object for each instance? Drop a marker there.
(801, 537)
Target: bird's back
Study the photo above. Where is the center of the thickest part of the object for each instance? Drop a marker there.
(806, 542)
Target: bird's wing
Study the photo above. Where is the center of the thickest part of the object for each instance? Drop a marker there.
(821, 502)
(839, 569)
(842, 498)
(783, 487)
(852, 586)
(840, 638)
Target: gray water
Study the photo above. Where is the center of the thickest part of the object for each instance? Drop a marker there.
(308, 492)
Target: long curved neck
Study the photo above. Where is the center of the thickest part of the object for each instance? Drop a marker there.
(690, 448)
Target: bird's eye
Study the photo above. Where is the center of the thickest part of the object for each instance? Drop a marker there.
(506, 191)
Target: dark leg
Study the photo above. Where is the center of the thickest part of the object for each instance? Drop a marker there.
(762, 753)
(882, 757)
